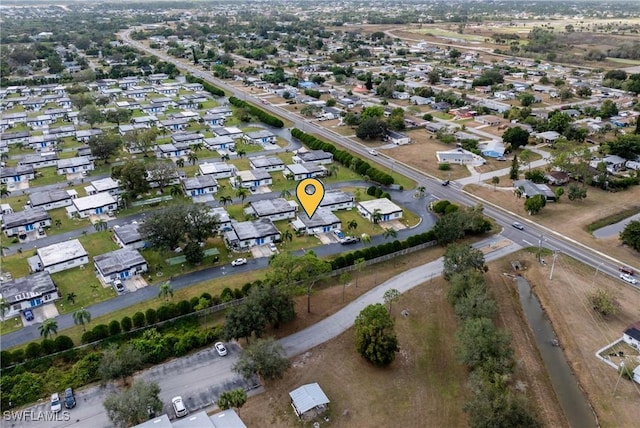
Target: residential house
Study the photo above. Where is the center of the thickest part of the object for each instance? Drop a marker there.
(200, 185)
(23, 222)
(228, 131)
(435, 127)
(459, 156)
(58, 257)
(632, 335)
(247, 234)
(273, 209)
(217, 170)
(39, 160)
(300, 171)
(224, 220)
(100, 203)
(397, 138)
(39, 122)
(318, 157)
(84, 135)
(174, 125)
(172, 151)
(461, 136)
(252, 178)
(379, 210)
(188, 138)
(420, 101)
(220, 143)
(128, 236)
(261, 137)
(337, 200)
(266, 163)
(441, 106)
(74, 165)
(492, 149)
(51, 199)
(17, 174)
(530, 189)
(225, 111)
(214, 119)
(613, 163)
(43, 142)
(488, 120)
(549, 137)
(557, 178)
(107, 185)
(322, 221)
(119, 264)
(28, 292)
(19, 137)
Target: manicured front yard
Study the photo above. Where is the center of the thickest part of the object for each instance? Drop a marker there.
(82, 282)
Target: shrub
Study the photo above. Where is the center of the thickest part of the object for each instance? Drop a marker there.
(151, 316)
(445, 166)
(48, 347)
(184, 307)
(17, 356)
(126, 324)
(32, 351)
(226, 295)
(101, 331)
(62, 343)
(114, 328)
(87, 337)
(138, 320)
(6, 358)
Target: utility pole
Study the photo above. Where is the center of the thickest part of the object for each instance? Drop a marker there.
(555, 256)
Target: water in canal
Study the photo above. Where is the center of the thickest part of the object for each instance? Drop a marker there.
(571, 398)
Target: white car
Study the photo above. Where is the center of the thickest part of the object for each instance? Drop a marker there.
(56, 405)
(628, 278)
(273, 247)
(373, 152)
(239, 262)
(220, 349)
(179, 407)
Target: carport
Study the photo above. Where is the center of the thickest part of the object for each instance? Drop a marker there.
(309, 401)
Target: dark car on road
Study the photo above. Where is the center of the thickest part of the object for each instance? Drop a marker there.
(626, 270)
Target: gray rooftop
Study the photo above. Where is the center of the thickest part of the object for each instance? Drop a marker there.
(61, 252)
(37, 199)
(28, 287)
(304, 168)
(265, 161)
(334, 197)
(128, 234)
(161, 421)
(269, 207)
(199, 182)
(322, 217)
(308, 396)
(260, 134)
(10, 171)
(73, 162)
(314, 155)
(37, 158)
(118, 261)
(532, 189)
(248, 230)
(195, 420)
(21, 218)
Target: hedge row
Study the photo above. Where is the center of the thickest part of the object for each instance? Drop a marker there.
(370, 253)
(36, 350)
(213, 90)
(378, 192)
(345, 158)
(262, 115)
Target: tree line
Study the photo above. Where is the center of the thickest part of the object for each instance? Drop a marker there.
(213, 90)
(262, 115)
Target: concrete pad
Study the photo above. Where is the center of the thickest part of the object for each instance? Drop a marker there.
(393, 224)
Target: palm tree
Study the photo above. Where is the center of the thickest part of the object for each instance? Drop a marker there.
(180, 163)
(332, 171)
(495, 180)
(389, 233)
(352, 225)
(4, 157)
(241, 153)
(287, 236)
(242, 193)
(165, 291)
(224, 157)
(285, 194)
(224, 200)
(71, 297)
(58, 223)
(192, 158)
(176, 190)
(82, 317)
(376, 216)
(197, 147)
(48, 327)
(100, 225)
(420, 191)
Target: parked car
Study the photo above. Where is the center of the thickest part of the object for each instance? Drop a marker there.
(273, 247)
(517, 225)
(338, 234)
(239, 262)
(28, 314)
(501, 159)
(628, 278)
(69, 398)
(220, 349)
(56, 406)
(626, 270)
(178, 407)
(117, 284)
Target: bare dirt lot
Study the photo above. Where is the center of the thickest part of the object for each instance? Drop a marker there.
(571, 218)
(423, 384)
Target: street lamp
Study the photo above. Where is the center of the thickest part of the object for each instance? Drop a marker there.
(596, 274)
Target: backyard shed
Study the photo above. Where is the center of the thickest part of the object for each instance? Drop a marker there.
(308, 401)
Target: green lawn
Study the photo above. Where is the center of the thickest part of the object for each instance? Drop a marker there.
(248, 148)
(45, 176)
(83, 282)
(441, 115)
(17, 264)
(11, 325)
(209, 104)
(61, 223)
(16, 202)
(364, 225)
(98, 243)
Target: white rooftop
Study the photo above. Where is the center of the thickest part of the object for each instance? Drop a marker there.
(61, 252)
(93, 201)
(383, 204)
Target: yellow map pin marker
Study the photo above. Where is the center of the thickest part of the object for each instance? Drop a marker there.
(310, 193)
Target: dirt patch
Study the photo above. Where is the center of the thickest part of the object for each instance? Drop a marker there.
(572, 218)
(581, 332)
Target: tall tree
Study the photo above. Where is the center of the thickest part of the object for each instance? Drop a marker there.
(133, 177)
(82, 317)
(516, 136)
(534, 204)
(235, 398)
(162, 173)
(142, 140)
(265, 358)
(165, 291)
(104, 146)
(134, 405)
(630, 235)
(460, 257)
(91, 115)
(120, 362)
(375, 336)
(514, 173)
(48, 327)
(118, 116)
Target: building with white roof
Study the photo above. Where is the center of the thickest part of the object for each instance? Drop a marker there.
(386, 209)
(100, 203)
(273, 209)
(322, 221)
(58, 257)
(108, 185)
(217, 170)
